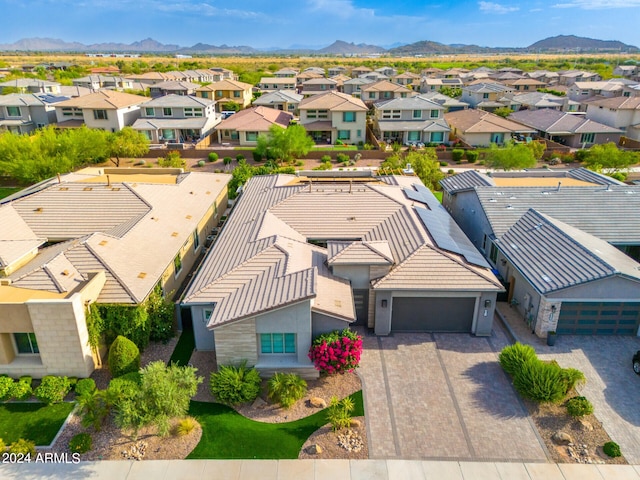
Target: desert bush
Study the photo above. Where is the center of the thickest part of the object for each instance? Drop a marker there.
(342, 158)
(339, 412)
(571, 377)
(185, 426)
(336, 352)
(580, 155)
(513, 357)
(325, 159)
(81, 443)
(240, 157)
(472, 156)
(451, 171)
(443, 164)
(85, 385)
(612, 449)
(579, 407)
(257, 156)
(94, 407)
(125, 386)
(201, 163)
(540, 382)
(52, 389)
(124, 357)
(6, 385)
(213, 156)
(234, 385)
(21, 390)
(286, 389)
(457, 154)
(23, 447)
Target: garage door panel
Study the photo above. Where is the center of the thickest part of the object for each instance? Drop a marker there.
(599, 318)
(425, 314)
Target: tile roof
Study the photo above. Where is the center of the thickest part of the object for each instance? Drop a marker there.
(618, 103)
(559, 123)
(479, 121)
(264, 243)
(386, 86)
(255, 119)
(466, 180)
(179, 101)
(104, 99)
(334, 101)
(278, 96)
(175, 85)
(226, 85)
(418, 102)
(553, 255)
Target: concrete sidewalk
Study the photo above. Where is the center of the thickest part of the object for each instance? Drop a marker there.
(314, 469)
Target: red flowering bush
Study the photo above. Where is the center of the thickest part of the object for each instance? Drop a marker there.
(336, 352)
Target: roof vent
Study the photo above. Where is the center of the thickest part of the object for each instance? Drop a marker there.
(142, 275)
(64, 189)
(509, 207)
(87, 189)
(38, 210)
(103, 243)
(188, 217)
(174, 234)
(65, 272)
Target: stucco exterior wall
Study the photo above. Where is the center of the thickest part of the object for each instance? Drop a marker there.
(358, 275)
(324, 324)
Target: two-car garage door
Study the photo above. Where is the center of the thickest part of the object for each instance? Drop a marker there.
(599, 318)
(420, 314)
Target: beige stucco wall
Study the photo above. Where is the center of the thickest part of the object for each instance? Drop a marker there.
(7, 354)
(15, 318)
(237, 342)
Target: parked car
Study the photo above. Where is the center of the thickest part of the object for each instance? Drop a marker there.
(636, 362)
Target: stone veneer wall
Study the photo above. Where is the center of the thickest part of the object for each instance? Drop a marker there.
(237, 342)
(546, 320)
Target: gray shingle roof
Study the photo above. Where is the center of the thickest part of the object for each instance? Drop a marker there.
(553, 255)
(609, 213)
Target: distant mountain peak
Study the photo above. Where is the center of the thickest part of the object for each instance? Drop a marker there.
(575, 43)
(340, 47)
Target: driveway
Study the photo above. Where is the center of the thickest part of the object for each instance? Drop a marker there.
(443, 396)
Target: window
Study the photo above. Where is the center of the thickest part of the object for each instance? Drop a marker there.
(435, 113)
(167, 112)
(484, 243)
(149, 111)
(277, 343)
(251, 136)
(196, 239)
(403, 95)
(344, 134)
(587, 137)
(192, 112)
(417, 114)
(317, 114)
(359, 133)
(13, 112)
(386, 94)
(147, 133)
(168, 134)
(71, 112)
(177, 264)
(348, 117)
(100, 114)
(26, 343)
(372, 94)
(218, 93)
(206, 315)
(437, 137)
(485, 95)
(291, 107)
(493, 253)
(205, 94)
(413, 136)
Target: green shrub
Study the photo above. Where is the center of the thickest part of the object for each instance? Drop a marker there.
(213, 156)
(472, 156)
(185, 426)
(6, 385)
(451, 171)
(94, 407)
(161, 314)
(286, 389)
(201, 163)
(85, 385)
(81, 443)
(342, 158)
(571, 377)
(129, 321)
(580, 155)
(233, 385)
(227, 160)
(612, 449)
(52, 389)
(443, 164)
(125, 386)
(27, 379)
(579, 407)
(257, 157)
(21, 390)
(23, 447)
(3, 447)
(540, 382)
(339, 412)
(457, 154)
(124, 357)
(513, 357)
(325, 159)
(240, 157)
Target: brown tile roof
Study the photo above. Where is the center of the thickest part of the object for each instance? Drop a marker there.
(104, 99)
(257, 119)
(479, 121)
(335, 101)
(386, 86)
(230, 85)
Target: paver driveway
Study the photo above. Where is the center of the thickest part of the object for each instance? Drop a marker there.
(443, 396)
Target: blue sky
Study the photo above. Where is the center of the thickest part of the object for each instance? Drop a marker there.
(283, 23)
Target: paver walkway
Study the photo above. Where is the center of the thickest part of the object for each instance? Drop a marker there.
(443, 396)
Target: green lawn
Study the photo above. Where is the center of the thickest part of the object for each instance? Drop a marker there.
(438, 195)
(32, 421)
(184, 348)
(227, 434)
(6, 191)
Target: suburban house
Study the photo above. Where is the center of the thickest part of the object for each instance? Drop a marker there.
(272, 84)
(407, 79)
(178, 119)
(314, 86)
(284, 100)
(581, 91)
(384, 90)
(29, 85)
(97, 82)
(410, 121)
(84, 238)
(539, 100)
(304, 76)
(548, 77)
(105, 109)
(24, 112)
(428, 84)
(619, 112)
(354, 86)
(569, 77)
(632, 72)
(574, 131)
(524, 84)
(244, 127)
(362, 70)
(488, 96)
(220, 73)
(173, 87)
(478, 128)
(226, 91)
(334, 116)
(151, 78)
(286, 73)
(337, 70)
(494, 212)
(450, 104)
(282, 271)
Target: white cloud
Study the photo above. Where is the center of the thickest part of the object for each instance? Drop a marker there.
(599, 4)
(490, 7)
(536, 10)
(340, 8)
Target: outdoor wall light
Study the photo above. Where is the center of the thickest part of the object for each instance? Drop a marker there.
(553, 308)
(487, 303)
(383, 303)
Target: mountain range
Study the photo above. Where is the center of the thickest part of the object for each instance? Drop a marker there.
(560, 43)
